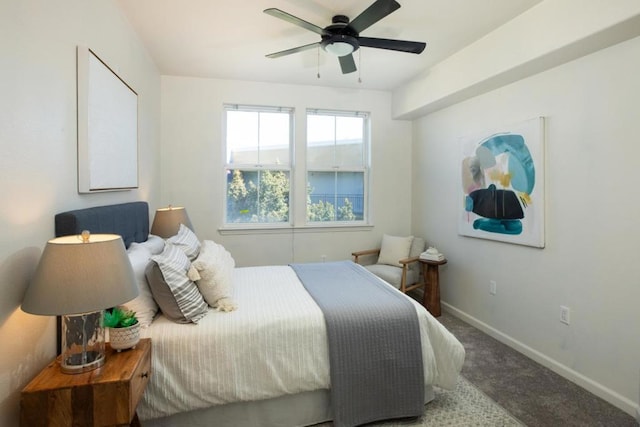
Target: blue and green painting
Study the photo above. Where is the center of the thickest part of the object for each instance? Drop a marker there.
(498, 180)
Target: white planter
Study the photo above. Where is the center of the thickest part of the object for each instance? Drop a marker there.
(124, 338)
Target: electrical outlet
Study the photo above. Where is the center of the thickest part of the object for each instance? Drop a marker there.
(565, 314)
(493, 287)
(324, 258)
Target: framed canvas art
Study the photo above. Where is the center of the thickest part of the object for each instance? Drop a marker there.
(107, 127)
(502, 184)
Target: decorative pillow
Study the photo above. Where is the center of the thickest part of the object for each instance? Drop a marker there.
(144, 305)
(187, 241)
(393, 249)
(215, 266)
(154, 243)
(177, 296)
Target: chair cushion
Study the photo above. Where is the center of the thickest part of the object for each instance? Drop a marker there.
(393, 249)
(391, 274)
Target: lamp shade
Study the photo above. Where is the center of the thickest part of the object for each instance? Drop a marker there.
(80, 274)
(166, 222)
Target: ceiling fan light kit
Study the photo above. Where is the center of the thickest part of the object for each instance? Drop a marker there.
(341, 46)
(342, 37)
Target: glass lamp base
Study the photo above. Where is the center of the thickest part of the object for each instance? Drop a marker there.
(74, 363)
(82, 342)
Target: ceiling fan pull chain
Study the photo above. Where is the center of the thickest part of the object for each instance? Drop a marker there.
(318, 61)
(359, 65)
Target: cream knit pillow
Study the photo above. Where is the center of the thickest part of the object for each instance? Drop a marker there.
(393, 249)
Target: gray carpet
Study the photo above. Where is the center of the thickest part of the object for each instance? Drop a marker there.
(534, 394)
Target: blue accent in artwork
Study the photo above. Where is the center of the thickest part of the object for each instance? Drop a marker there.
(521, 168)
(468, 204)
(502, 226)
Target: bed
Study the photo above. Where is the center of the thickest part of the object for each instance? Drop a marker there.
(266, 363)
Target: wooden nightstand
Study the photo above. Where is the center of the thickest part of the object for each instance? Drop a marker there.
(107, 396)
(431, 277)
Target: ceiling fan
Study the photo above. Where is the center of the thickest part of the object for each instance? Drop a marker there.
(342, 37)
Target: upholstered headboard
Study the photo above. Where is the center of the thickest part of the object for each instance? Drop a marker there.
(130, 220)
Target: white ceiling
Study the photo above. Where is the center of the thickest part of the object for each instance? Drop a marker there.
(229, 39)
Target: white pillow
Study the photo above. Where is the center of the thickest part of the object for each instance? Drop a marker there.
(154, 243)
(215, 267)
(144, 305)
(393, 249)
(187, 241)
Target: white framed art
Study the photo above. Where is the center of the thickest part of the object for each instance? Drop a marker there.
(502, 183)
(107, 127)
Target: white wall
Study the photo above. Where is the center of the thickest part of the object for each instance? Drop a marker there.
(192, 160)
(590, 260)
(38, 41)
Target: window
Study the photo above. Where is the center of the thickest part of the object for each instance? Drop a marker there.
(337, 150)
(258, 167)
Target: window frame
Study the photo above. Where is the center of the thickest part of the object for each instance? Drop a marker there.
(365, 169)
(297, 175)
(257, 167)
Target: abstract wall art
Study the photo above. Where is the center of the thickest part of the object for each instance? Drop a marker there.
(502, 184)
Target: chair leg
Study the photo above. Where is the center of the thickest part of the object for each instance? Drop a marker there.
(403, 280)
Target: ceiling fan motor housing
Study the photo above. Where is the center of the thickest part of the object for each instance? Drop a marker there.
(337, 33)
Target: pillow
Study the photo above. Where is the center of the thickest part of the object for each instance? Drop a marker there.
(393, 249)
(187, 241)
(144, 305)
(154, 243)
(215, 269)
(177, 296)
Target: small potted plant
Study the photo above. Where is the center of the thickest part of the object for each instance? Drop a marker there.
(124, 328)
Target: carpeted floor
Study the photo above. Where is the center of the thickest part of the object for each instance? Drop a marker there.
(534, 394)
(462, 407)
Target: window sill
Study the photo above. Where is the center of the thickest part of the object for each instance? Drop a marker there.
(228, 231)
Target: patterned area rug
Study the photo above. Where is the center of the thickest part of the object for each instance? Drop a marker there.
(462, 407)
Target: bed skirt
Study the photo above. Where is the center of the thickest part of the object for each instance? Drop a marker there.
(294, 410)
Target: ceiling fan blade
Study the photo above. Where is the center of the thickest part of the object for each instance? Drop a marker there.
(347, 64)
(292, 50)
(399, 45)
(293, 20)
(378, 10)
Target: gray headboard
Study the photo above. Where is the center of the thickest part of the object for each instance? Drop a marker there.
(130, 220)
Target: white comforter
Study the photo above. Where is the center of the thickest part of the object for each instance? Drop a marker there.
(274, 344)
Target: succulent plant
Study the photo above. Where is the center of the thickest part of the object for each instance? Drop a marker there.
(118, 317)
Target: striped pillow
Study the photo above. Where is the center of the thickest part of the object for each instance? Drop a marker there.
(187, 241)
(176, 294)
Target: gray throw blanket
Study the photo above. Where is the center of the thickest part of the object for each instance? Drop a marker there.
(375, 353)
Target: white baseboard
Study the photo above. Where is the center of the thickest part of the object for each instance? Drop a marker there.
(592, 386)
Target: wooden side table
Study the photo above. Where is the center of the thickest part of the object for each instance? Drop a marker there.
(107, 396)
(431, 277)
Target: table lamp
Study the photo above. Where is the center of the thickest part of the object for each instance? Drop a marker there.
(166, 222)
(78, 277)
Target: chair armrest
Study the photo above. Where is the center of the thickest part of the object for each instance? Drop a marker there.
(358, 254)
(407, 261)
(366, 252)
